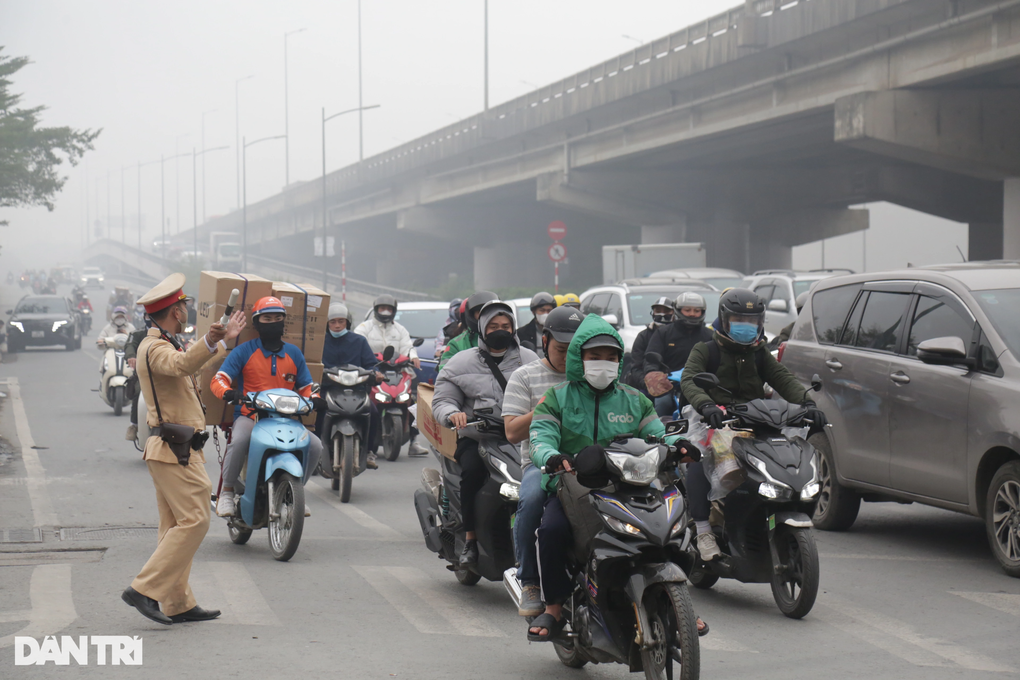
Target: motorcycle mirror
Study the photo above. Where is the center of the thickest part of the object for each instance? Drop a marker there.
(707, 381)
(418, 342)
(388, 353)
(316, 387)
(816, 383)
(677, 427)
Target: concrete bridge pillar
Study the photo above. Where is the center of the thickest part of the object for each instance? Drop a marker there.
(1011, 218)
(984, 241)
(507, 263)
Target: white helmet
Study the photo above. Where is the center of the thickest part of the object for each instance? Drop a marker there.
(690, 299)
(338, 310)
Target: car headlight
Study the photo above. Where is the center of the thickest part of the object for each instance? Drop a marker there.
(510, 491)
(637, 469)
(620, 526)
(404, 397)
(56, 325)
(287, 404)
(810, 491)
(774, 491)
(18, 325)
(382, 397)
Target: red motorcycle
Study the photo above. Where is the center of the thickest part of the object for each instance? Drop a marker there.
(394, 396)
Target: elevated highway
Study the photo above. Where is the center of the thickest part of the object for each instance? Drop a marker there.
(753, 131)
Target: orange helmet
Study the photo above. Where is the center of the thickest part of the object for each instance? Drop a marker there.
(267, 305)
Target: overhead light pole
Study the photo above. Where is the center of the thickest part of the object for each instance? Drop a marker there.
(486, 55)
(325, 261)
(140, 166)
(237, 130)
(177, 181)
(194, 190)
(244, 195)
(162, 199)
(203, 161)
(360, 109)
(123, 211)
(286, 108)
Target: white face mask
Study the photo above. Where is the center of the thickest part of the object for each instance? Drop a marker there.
(541, 318)
(601, 374)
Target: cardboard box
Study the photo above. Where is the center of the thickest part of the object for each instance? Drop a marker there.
(443, 438)
(217, 411)
(316, 371)
(214, 293)
(307, 307)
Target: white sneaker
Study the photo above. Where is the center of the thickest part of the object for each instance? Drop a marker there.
(707, 547)
(225, 506)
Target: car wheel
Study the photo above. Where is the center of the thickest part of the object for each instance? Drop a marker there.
(1002, 517)
(837, 506)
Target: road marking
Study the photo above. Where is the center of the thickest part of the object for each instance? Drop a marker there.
(52, 605)
(461, 618)
(399, 598)
(359, 516)
(1004, 602)
(42, 507)
(899, 639)
(229, 587)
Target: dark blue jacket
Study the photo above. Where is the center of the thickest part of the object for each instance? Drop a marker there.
(349, 349)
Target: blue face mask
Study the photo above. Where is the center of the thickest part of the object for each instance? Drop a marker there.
(743, 333)
(338, 334)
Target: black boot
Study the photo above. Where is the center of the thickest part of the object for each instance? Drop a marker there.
(469, 555)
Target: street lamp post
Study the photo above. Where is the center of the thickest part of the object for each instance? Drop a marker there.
(360, 109)
(237, 130)
(140, 166)
(486, 55)
(109, 220)
(244, 195)
(194, 190)
(203, 162)
(325, 261)
(177, 181)
(162, 199)
(123, 211)
(286, 109)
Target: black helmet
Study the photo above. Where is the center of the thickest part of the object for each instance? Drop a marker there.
(741, 306)
(384, 300)
(562, 323)
(541, 300)
(474, 303)
(660, 319)
(690, 299)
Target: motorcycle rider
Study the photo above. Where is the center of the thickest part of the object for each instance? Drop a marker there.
(525, 389)
(674, 342)
(737, 354)
(452, 328)
(662, 314)
(784, 334)
(474, 379)
(530, 333)
(343, 348)
(120, 297)
(264, 363)
(118, 324)
(469, 337)
(571, 300)
(382, 331)
(591, 403)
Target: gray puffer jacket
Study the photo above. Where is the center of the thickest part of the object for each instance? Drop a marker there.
(466, 383)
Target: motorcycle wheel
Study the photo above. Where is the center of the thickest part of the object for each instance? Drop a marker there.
(285, 530)
(673, 631)
(466, 577)
(350, 453)
(795, 580)
(837, 506)
(392, 436)
(118, 400)
(238, 536)
(570, 658)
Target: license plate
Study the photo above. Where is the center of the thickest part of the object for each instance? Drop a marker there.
(38, 334)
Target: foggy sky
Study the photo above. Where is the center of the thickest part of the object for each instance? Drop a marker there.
(146, 71)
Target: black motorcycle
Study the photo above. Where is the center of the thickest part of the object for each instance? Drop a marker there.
(438, 503)
(630, 603)
(766, 537)
(346, 424)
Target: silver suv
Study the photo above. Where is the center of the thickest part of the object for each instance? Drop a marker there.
(921, 373)
(780, 289)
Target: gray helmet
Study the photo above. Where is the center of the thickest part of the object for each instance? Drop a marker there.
(542, 299)
(475, 303)
(338, 310)
(492, 309)
(690, 299)
(562, 323)
(384, 301)
(660, 319)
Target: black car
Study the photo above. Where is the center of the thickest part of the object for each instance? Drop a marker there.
(43, 320)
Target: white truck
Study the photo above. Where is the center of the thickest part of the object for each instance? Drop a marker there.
(225, 250)
(634, 261)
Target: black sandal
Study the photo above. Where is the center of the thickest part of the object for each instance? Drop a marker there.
(549, 622)
(704, 631)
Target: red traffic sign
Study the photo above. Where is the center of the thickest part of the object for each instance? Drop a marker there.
(557, 252)
(557, 230)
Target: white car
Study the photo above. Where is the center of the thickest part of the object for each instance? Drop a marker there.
(523, 307)
(92, 276)
(780, 289)
(714, 276)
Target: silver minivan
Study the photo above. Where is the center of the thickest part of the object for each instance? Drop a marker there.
(921, 382)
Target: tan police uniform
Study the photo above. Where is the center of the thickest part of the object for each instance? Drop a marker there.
(182, 491)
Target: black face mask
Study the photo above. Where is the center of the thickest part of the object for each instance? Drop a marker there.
(661, 319)
(499, 340)
(384, 318)
(271, 334)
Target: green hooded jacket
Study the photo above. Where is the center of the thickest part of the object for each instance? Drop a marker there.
(465, 340)
(572, 415)
(738, 373)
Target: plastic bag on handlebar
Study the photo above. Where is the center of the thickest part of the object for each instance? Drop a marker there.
(697, 429)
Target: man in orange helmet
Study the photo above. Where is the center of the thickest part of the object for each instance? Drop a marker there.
(264, 363)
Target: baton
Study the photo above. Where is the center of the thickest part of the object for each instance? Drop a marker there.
(230, 307)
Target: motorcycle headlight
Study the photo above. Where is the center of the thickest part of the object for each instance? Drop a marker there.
(382, 397)
(57, 324)
(678, 528)
(639, 470)
(810, 491)
(404, 397)
(106, 364)
(620, 526)
(348, 378)
(264, 403)
(18, 325)
(287, 404)
(774, 491)
(510, 491)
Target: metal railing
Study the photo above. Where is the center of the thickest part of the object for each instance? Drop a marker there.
(313, 275)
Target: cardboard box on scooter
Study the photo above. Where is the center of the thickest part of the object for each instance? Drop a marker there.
(307, 307)
(443, 438)
(217, 411)
(214, 293)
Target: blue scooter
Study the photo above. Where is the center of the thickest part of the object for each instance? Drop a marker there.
(274, 475)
